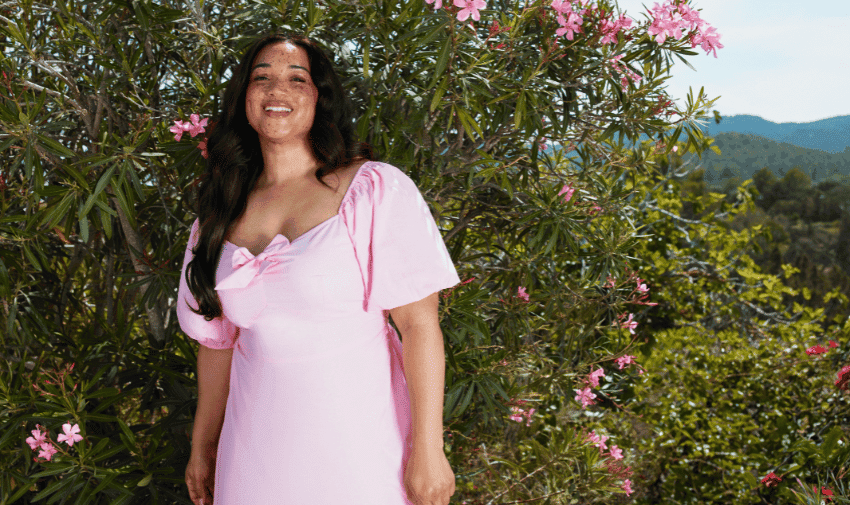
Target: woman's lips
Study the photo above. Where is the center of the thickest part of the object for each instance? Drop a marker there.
(273, 113)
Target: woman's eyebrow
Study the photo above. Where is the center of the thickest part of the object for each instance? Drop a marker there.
(258, 65)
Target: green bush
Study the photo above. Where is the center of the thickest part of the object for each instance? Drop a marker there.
(97, 198)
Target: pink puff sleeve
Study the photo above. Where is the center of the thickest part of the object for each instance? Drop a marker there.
(399, 249)
(219, 333)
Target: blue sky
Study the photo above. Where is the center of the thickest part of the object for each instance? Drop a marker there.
(783, 60)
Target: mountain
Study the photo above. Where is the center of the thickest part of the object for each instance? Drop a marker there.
(831, 135)
(748, 143)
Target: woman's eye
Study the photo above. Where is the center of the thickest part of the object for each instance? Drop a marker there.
(259, 77)
(299, 79)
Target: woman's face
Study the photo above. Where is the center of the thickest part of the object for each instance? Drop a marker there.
(280, 77)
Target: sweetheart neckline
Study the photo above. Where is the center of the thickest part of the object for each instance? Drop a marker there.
(338, 213)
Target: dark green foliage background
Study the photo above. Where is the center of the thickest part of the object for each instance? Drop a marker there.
(97, 198)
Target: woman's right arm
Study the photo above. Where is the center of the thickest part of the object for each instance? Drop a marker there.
(213, 389)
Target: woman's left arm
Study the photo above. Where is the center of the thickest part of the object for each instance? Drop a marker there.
(429, 479)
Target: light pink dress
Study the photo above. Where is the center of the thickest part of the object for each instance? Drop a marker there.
(318, 411)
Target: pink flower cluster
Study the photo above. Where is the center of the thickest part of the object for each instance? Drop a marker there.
(569, 19)
(568, 192)
(195, 128)
(609, 29)
(630, 324)
(40, 440)
(585, 396)
(622, 69)
(670, 20)
(521, 293)
(818, 349)
(615, 452)
(843, 381)
(468, 8)
(519, 414)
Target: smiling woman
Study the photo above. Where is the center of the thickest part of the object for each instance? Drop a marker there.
(294, 282)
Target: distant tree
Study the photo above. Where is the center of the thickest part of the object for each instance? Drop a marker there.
(765, 180)
(842, 248)
(796, 179)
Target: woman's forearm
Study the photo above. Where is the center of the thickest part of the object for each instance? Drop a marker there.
(213, 387)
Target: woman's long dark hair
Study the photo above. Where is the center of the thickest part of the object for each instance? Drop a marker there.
(235, 159)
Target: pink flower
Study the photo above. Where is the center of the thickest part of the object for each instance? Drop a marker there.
(630, 324)
(438, 4)
(585, 397)
(197, 126)
(519, 413)
(641, 287)
(595, 210)
(771, 480)
(827, 493)
(202, 145)
(622, 361)
(609, 30)
(47, 451)
(843, 378)
(562, 6)
(627, 487)
(569, 25)
(71, 434)
(39, 439)
(832, 343)
(522, 294)
(517, 416)
(593, 377)
(598, 440)
(469, 8)
(568, 190)
(818, 349)
(624, 22)
(610, 283)
(178, 129)
(709, 40)
(616, 452)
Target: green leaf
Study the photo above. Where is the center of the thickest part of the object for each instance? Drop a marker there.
(52, 488)
(84, 229)
(442, 61)
(101, 183)
(439, 92)
(104, 482)
(520, 109)
(466, 399)
(129, 434)
(31, 257)
(830, 441)
(366, 45)
(57, 212)
(469, 124)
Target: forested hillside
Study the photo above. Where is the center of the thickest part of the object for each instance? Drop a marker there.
(744, 154)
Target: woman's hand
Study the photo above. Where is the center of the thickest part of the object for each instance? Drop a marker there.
(200, 476)
(428, 477)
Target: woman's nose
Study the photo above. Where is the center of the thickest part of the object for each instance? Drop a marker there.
(279, 86)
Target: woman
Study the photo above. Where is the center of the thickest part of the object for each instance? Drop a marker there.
(299, 278)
